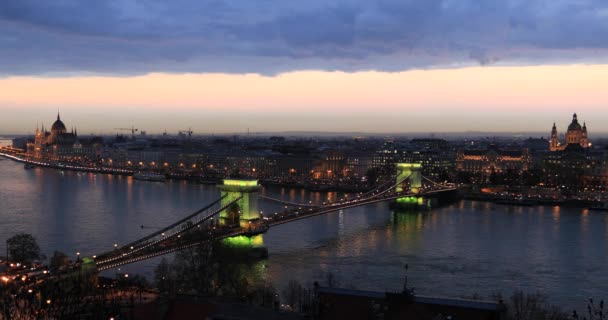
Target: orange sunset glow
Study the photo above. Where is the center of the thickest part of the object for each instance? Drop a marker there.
(488, 91)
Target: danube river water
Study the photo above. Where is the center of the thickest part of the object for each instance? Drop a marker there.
(455, 251)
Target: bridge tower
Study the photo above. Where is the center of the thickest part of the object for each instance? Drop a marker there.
(246, 208)
(413, 170)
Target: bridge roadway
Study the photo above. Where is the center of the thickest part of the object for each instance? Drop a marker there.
(296, 215)
(209, 233)
(142, 244)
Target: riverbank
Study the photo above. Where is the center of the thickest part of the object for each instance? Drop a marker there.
(316, 187)
(528, 202)
(72, 167)
(186, 177)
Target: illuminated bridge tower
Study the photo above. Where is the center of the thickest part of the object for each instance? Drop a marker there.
(246, 208)
(411, 170)
(243, 212)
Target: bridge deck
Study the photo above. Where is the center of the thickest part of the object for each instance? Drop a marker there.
(208, 234)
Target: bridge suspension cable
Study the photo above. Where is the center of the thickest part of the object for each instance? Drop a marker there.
(179, 222)
(126, 261)
(165, 229)
(376, 188)
(126, 254)
(133, 249)
(437, 184)
(295, 204)
(389, 188)
(172, 246)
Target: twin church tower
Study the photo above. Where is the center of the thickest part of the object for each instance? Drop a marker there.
(575, 136)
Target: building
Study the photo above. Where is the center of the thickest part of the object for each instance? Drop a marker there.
(573, 164)
(55, 143)
(429, 143)
(575, 135)
(337, 303)
(59, 144)
(387, 155)
(359, 163)
(435, 155)
(492, 164)
(576, 168)
(436, 164)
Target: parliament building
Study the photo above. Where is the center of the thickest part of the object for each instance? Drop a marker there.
(55, 144)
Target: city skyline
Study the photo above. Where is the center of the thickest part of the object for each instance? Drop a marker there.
(264, 159)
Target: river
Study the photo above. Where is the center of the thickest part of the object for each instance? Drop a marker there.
(455, 251)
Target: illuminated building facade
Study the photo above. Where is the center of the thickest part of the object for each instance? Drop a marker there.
(576, 135)
(492, 159)
(576, 167)
(56, 143)
(482, 164)
(387, 155)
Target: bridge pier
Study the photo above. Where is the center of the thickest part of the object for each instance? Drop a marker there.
(411, 171)
(412, 202)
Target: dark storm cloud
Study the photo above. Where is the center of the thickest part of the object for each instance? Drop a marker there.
(270, 36)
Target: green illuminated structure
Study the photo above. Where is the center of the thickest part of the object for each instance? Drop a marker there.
(415, 177)
(411, 202)
(245, 208)
(245, 242)
(418, 201)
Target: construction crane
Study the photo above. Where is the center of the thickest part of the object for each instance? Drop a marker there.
(132, 129)
(189, 132)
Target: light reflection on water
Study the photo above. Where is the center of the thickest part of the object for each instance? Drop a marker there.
(468, 247)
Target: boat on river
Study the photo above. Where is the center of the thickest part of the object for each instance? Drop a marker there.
(149, 176)
(518, 202)
(600, 207)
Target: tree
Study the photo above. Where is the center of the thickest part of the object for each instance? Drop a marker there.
(163, 277)
(532, 307)
(58, 260)
(595, 312)
(292, 293)
(464, 177)
(23, 247)
(533, 176)
(332, 280)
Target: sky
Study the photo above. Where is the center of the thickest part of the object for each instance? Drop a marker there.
(223, 66)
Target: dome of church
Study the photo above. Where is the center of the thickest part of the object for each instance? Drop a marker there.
(574, 125)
